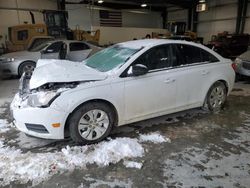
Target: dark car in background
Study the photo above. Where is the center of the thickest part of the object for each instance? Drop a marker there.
(230, 45)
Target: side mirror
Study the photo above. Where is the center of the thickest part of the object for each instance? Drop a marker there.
(137, 70)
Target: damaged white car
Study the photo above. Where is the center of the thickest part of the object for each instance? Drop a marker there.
(125, 83)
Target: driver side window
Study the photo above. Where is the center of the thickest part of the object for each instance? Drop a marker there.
(156, 58)
(54, 47)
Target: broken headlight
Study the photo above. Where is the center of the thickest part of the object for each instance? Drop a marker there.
(42, 98)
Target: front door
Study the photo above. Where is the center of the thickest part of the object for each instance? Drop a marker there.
(56, 50)
(153, 93)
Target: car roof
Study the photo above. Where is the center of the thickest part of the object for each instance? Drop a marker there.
(67, 41)
(152, 42)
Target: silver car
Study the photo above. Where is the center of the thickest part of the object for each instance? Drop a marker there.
(242, 64)
(15, 63)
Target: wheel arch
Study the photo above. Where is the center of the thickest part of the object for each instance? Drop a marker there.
(26, 61)
(106, 102)
(220, 80)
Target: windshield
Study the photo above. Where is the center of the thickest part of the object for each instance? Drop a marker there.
(110, 58)
(39, 47)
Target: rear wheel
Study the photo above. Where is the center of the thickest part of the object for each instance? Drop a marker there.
(216, 97)
(91, 123)
(27, 67)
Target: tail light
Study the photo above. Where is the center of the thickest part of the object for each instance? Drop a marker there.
(234, 66)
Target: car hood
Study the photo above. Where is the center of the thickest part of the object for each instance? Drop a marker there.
(62, 71)
(245, 56)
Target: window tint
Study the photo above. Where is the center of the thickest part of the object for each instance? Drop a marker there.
(207, 57)
(187, 54)
(77, 46)
(190, 54)
(156, 58)
(55, 47)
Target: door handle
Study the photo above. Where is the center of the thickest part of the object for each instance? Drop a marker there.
(169, 80)
(205, 72)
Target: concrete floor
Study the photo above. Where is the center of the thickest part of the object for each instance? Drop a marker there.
(206, 150)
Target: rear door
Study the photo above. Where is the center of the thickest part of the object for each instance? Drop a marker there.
(193, 72)
(78, 51)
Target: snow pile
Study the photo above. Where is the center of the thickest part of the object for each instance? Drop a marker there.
(132, 164)
(153, 137)
(37, 167)
(4, 126)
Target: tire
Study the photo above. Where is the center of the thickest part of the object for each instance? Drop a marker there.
(216, 97)
(27, 67)
(84, 126)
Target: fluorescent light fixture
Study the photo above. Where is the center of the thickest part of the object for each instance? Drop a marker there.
(143, 5)
(202, 1)
(100, 1)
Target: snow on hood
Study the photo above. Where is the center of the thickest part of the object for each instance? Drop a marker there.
(59, 71)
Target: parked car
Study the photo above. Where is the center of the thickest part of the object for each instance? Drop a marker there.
(242, 65)
(15, 63)
(125, 83)
(230, 45)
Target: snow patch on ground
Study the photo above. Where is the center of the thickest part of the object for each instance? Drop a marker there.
(132, 164)
(37, 167)
(153, 137)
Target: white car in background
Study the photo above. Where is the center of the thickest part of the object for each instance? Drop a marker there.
(125, 83)
(242, 65)
(15, 63)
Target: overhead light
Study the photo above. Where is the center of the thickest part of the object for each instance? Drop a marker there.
(202, 1)
(143, 5)
(100, 1)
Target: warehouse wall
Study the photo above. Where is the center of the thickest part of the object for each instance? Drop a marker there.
(13, 17)
(247, 26)
(110, 35)
(85, 18)
(221, 16)
(177, 14)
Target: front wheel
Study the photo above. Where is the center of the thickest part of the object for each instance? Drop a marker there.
(26, 67)
(216, 97)
(91, 123)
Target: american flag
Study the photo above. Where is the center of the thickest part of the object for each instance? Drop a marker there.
(110, 18)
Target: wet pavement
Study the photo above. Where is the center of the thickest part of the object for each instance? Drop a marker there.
(206, 150)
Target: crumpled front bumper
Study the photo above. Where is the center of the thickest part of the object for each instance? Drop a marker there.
(38, 122)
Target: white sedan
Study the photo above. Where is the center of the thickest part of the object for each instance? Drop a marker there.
(16, 63)
(125, 83)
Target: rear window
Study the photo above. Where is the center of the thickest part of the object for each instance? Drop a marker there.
(186, 54)
(78, 46)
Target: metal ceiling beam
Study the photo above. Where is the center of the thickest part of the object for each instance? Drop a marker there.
(153, 4)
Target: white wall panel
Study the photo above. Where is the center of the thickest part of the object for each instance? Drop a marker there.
(142, 20)
(14, 17)
(85, 18)
(178, 15)
(221, 16)
(121, 34)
